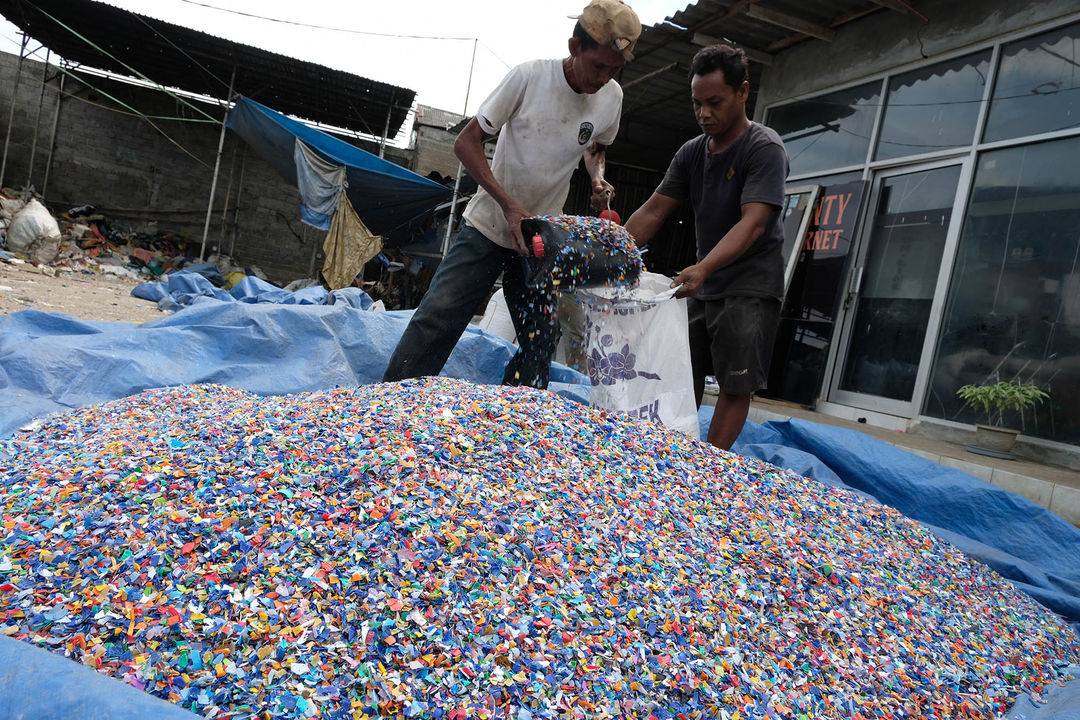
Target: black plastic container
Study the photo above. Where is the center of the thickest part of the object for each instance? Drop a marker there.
(580, 258)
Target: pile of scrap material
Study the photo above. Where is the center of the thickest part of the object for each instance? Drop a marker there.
(441, 549)
(85, 239)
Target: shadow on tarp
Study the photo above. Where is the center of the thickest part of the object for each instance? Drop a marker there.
(53, 363)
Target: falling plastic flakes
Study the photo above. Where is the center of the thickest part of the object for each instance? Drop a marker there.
(437, 549)
(573, 251)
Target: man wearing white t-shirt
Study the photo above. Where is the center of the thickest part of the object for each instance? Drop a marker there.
(548, 114)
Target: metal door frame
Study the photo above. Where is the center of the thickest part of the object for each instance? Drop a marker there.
(804, 223)
(902, 408)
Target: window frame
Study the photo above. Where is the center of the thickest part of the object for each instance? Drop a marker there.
(869, 165)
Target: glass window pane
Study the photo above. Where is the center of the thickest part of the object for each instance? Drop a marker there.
(933, 108)
(830, 131)
(836, 179)
(814, 297)
(907, 238)
(1038, 86)
(796, 205)
(1014, 301)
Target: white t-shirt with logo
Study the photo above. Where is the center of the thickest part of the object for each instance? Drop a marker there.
(545, 129)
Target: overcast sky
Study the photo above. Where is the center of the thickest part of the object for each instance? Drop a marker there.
(423, 45)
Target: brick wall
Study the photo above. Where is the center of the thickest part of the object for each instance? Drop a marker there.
(153, 173)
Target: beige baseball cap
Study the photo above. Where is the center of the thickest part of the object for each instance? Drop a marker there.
(612, 24)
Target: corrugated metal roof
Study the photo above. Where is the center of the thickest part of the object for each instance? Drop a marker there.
(657, 114)
(194, 61)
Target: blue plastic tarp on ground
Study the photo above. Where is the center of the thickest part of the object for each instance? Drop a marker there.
(51, 363)
(38, 685)
(1035, 549)
(183, 288)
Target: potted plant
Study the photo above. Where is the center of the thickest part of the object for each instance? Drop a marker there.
(993, 400)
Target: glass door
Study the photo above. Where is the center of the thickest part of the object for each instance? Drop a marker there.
(897, 288)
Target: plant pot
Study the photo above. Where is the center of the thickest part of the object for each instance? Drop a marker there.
(994, 441)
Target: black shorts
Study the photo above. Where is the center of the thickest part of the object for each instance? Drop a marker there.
(732, 339)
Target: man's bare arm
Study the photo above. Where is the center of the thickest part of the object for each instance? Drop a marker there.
(469, 148)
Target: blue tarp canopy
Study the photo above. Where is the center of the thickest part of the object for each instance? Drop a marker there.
(52, 362)
(387, 197)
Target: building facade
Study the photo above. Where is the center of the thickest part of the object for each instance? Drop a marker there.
(933, 215)
(434, 133)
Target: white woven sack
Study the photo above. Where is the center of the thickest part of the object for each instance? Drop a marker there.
(638, 349)
(33, 222)
(497, 319)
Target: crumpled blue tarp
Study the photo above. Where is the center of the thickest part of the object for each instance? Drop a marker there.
(35, 684)
(52, 362)
(1033, 548)
(181, 289)
(1058, 702)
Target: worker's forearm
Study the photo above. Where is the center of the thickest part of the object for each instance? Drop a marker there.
(642, 225)
(731, 247)
(647, 219)
(596, 162)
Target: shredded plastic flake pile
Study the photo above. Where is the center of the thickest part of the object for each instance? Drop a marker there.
(438, 549)
(597, 252)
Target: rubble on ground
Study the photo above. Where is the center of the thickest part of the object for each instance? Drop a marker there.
(83, 240)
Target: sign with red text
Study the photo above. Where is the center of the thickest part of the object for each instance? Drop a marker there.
(814, 296)
(833, 219)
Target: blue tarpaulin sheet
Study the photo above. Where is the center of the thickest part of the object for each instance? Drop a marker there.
(1034, 548)
(387, 197)
(38, 685)
(51, 363)
(183, 288)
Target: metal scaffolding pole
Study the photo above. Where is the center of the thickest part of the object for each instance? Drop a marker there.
(52, 136)
(217, 167)
(236, 205)
(11, 111)
(386, 127)
(457, 180)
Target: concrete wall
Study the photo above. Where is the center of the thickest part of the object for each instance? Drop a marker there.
(153, 174)
(434, 142)
(888, 40)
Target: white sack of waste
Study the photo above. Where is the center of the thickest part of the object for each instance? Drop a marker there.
(34, 224)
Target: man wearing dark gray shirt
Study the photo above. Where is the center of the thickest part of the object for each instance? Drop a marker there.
(733, 175)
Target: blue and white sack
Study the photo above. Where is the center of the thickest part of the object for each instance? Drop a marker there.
(638, 351)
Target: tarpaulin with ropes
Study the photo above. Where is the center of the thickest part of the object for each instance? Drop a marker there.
(385, 196)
